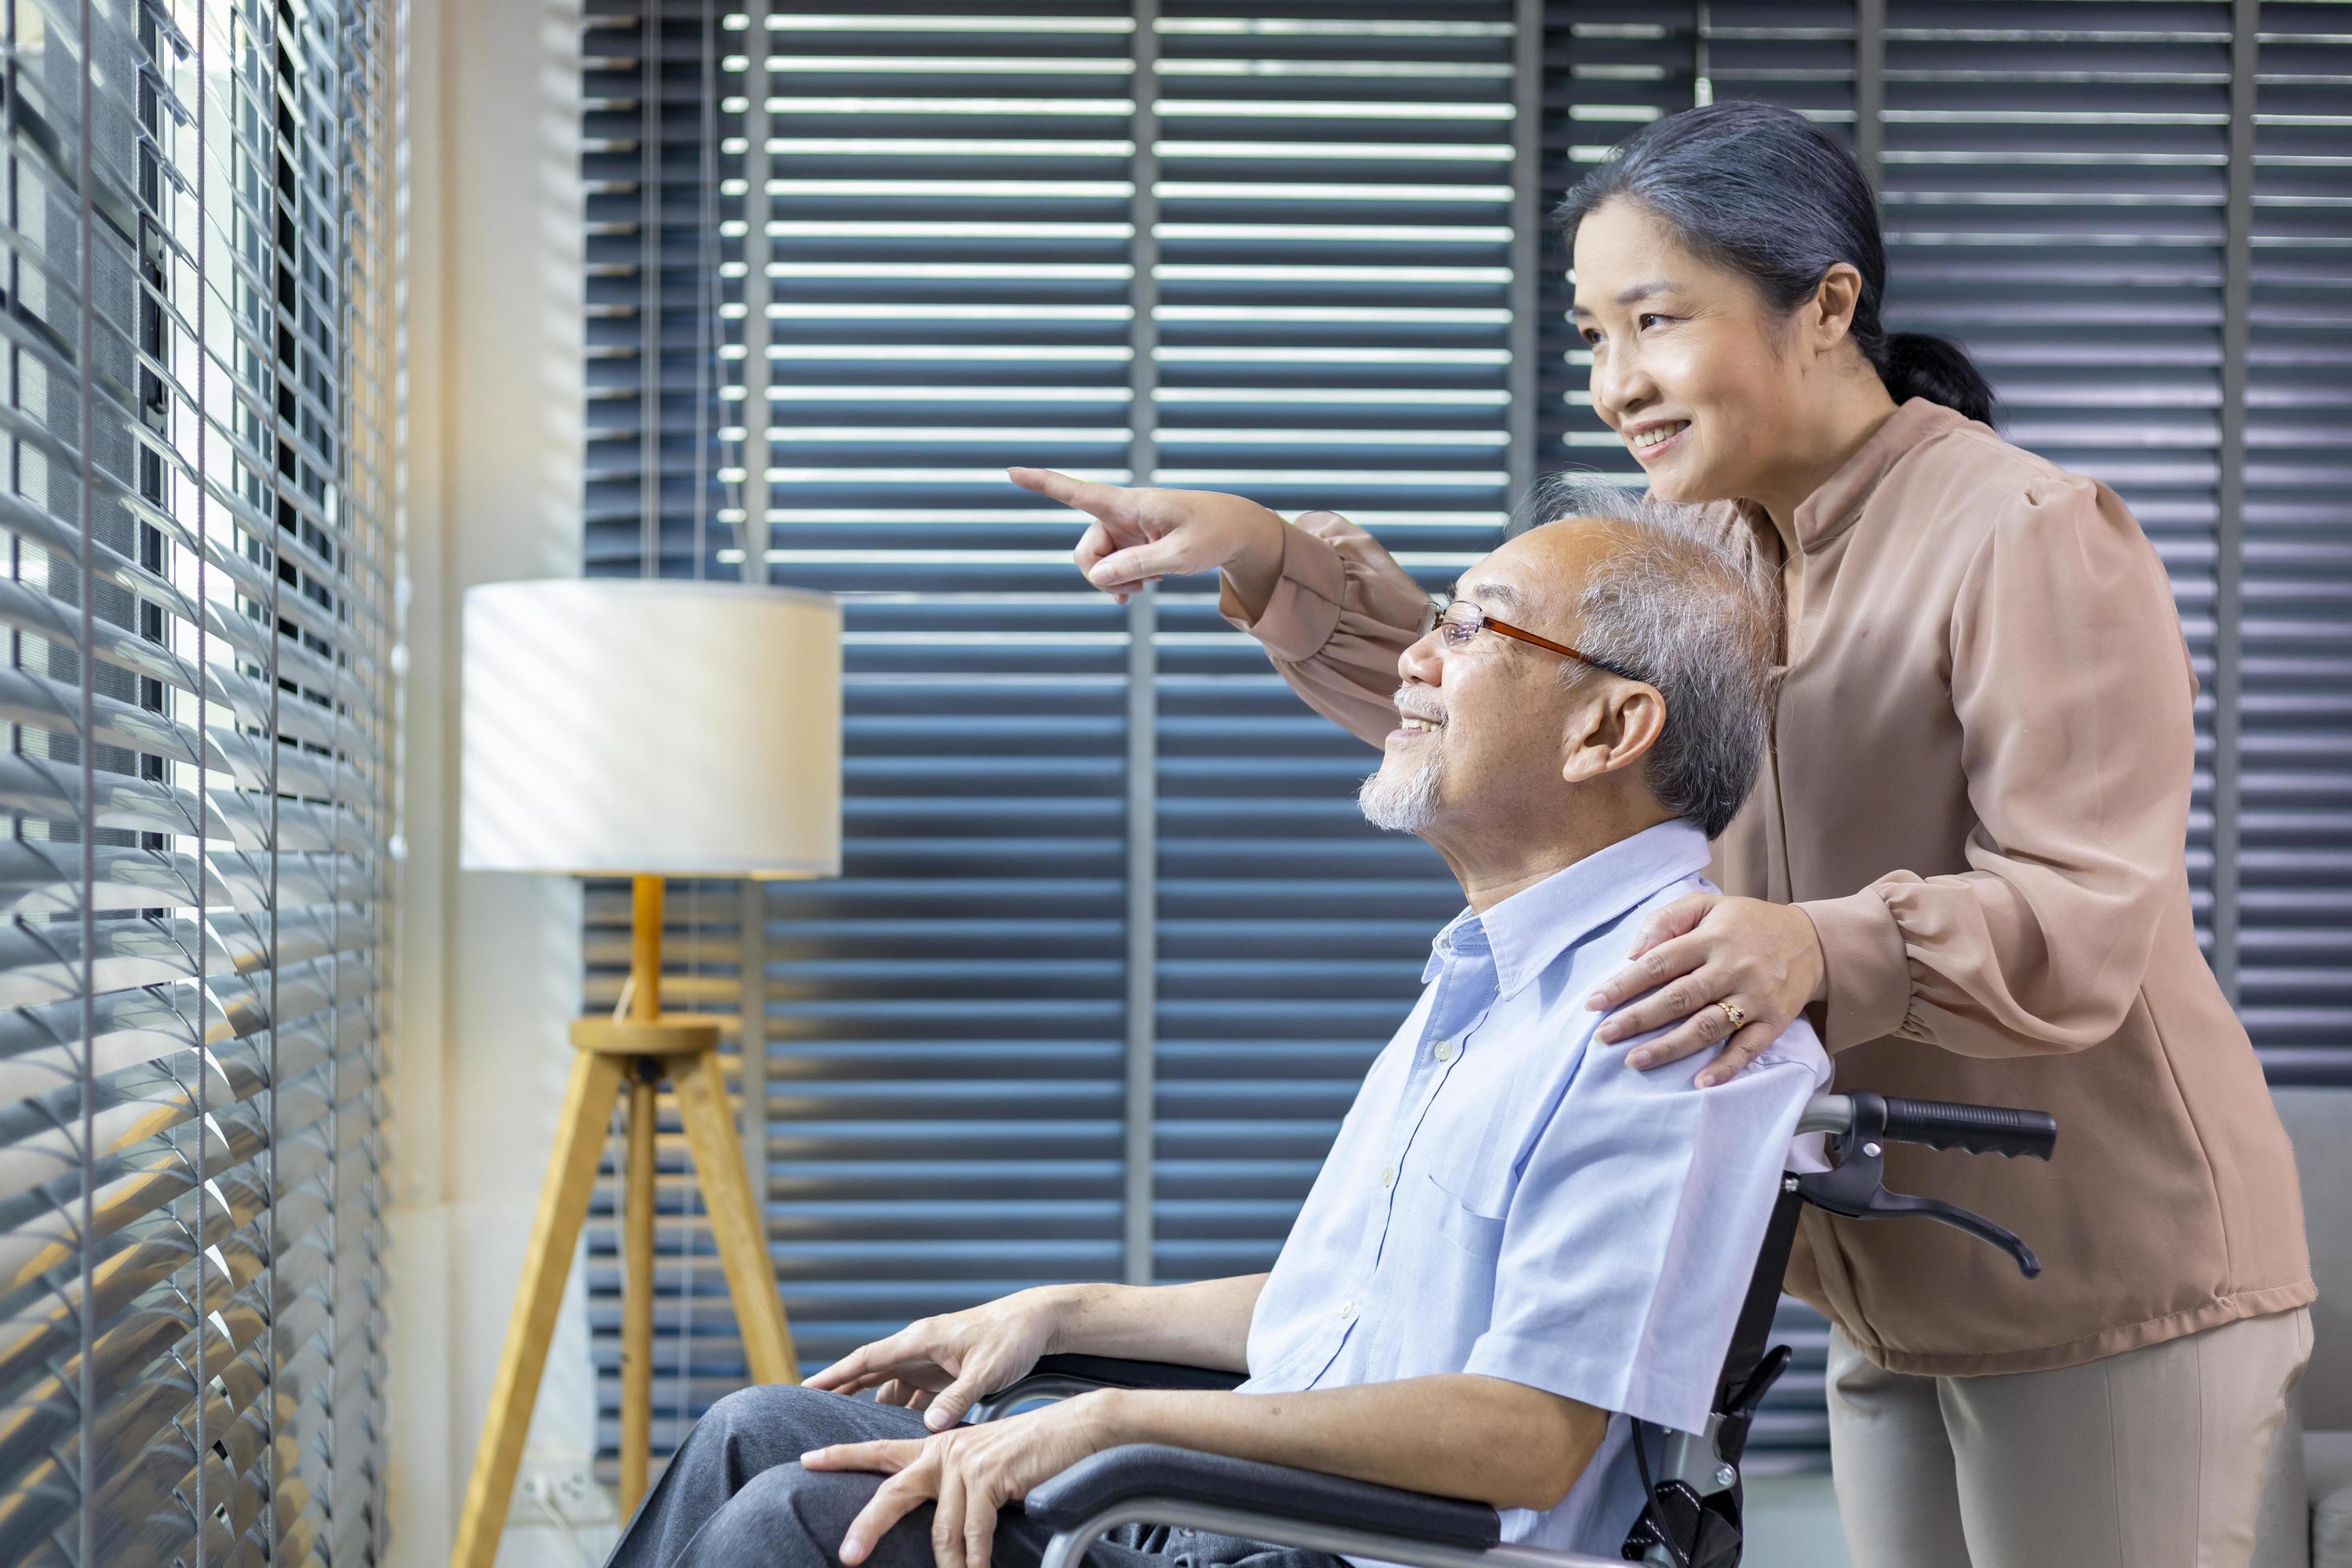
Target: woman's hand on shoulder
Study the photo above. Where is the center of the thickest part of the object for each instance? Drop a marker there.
(1141, 533)
(1699, 953)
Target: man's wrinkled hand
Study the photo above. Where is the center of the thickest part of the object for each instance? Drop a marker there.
(941, 1365)
(968, 1473)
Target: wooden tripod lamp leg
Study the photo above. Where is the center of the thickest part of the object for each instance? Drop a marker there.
(554, 1233)
(637, 1298)
(737, 1221)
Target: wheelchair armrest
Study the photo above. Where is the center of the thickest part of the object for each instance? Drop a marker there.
(1151, 1471)
(1115, 1372)
(1060, 1377)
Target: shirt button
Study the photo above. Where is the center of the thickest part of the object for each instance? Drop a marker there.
(1442, 1050)
(1346, 1311)
(1388, 1175)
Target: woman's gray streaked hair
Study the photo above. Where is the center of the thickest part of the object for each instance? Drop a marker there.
(1684, 609)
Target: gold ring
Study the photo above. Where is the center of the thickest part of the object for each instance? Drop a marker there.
(1733, 1014)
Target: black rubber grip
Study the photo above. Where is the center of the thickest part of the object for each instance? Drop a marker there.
(1118, 1372)
(1979, 1129)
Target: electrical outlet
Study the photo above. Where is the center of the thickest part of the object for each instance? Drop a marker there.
(570, 1494)
(578, 1497)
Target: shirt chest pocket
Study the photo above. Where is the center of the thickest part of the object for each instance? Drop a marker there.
(1464, 1192)
(1452, 1217)
(1465, 1149)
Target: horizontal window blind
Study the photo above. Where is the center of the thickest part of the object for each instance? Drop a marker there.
(2294, 832)
(1276, 253)
(197, 415)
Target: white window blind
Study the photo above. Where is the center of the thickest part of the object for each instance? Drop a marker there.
(197, 515)
(1114, 947)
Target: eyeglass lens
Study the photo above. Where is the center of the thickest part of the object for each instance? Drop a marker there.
(1458, 619)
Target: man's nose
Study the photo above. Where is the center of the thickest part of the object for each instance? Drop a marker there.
(1423, 660)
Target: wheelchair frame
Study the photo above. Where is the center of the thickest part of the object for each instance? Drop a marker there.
(1692, 1519)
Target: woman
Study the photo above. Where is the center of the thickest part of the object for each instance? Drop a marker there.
(1966, 859)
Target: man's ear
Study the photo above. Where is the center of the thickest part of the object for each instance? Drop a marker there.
(1617, 727)
(1828, 317)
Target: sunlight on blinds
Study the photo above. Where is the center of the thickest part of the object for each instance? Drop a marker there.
(198, 417)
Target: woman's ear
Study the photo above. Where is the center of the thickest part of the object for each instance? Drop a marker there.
(1617, 729)
(1829, 315)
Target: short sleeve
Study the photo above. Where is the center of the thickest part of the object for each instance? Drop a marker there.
(1635, 1226)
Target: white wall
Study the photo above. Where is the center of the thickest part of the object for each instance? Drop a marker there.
(489, 966)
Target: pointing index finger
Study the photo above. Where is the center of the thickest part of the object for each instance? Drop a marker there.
(1083, 494)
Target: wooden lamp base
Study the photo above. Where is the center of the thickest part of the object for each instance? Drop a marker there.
(633, 1053)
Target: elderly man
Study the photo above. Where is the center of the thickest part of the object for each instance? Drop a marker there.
(1517, 1243)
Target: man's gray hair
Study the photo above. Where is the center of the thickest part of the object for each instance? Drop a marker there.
(1683, 608)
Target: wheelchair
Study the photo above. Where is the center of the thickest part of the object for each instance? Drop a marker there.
(1693, 1516)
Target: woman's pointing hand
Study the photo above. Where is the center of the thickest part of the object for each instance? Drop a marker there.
(1141, 533)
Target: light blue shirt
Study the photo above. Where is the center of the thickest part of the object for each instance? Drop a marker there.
(1507, 1197)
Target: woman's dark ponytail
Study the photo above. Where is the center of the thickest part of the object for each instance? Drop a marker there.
(1917, 365)
(1763, 191)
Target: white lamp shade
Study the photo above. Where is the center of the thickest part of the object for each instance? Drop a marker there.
(642, 726)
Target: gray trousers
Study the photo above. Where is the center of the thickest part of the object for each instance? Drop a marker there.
(736, 1494)
(2148, 1458)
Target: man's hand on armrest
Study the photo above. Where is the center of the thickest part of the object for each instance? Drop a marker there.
(941, 1365)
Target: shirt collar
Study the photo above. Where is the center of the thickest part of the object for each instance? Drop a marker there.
(1831, 508)
(1526, 931)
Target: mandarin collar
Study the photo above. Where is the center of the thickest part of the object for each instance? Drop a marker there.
(1830, 510)
(1535, 925)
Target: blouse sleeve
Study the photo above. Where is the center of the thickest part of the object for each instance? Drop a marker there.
(1341, 613)
(2070, 679)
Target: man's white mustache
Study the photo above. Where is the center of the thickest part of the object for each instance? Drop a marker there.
(1409, 708)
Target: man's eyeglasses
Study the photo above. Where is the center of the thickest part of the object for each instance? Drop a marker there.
(1458, 623)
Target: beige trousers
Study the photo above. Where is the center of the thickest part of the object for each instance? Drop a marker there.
(2152, 1459)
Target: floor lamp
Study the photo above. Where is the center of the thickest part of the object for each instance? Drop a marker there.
(641, 728)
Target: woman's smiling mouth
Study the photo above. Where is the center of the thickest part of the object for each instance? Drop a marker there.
(1648, 443)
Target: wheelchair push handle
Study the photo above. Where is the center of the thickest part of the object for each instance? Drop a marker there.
(1863, 1118)
(1979, 1128)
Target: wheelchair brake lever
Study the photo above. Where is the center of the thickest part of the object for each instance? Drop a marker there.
(1958, 1219)
(1856, 1188)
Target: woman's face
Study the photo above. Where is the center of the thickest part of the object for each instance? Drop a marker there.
(1689, 365)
